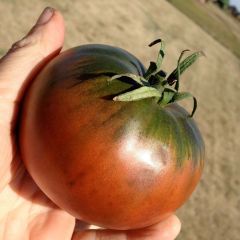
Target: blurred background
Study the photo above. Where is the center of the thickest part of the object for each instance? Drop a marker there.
(213, 211)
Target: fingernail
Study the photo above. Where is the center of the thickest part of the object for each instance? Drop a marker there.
(45, 16)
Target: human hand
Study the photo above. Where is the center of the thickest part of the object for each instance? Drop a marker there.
(25, 212)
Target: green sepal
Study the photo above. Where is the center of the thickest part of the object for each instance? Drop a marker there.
(161, 55)
(137, 79)
(154, 68)
(178, 69)
(187, 62)
(178, 96)
(151, 70)
(138, 94)
(167, 96)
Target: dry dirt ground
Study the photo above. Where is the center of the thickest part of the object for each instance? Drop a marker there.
(213, 211)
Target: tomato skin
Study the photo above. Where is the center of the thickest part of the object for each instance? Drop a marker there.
(119, 165)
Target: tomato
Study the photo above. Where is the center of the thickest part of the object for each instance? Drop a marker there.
(116, 164)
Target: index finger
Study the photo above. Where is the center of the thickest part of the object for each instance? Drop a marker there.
(167, 229)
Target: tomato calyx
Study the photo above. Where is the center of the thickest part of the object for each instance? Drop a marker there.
(156, 84)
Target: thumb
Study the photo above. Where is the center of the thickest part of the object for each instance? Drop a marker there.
(27, 56)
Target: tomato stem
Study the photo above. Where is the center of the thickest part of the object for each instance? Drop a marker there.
(155, 84)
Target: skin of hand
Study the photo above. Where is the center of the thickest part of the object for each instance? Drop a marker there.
(25, 212)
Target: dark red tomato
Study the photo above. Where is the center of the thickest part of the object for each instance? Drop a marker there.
(119, 165)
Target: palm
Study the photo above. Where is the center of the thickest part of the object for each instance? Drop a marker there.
(24, 210)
